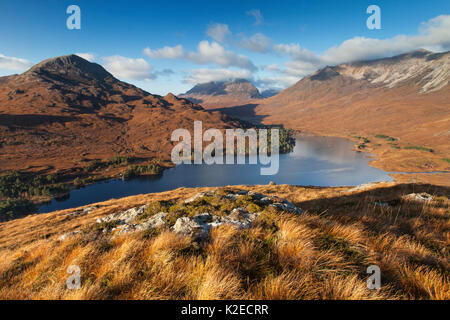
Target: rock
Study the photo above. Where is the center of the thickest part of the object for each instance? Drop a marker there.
(256, 195)
(418, 197)
(238, 214)
(203, 218)
(266, 200)
(68, 235)
(155, 221)
(189, 227)
(196, 197)
(81, 212)
(287, 206)
(271, 183)
(124, 216)
(232, 196)
(200, 225)
(89, 209)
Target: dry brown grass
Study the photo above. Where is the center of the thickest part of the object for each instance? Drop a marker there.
(322, 254)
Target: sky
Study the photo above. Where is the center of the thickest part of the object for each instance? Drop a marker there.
(169, 46)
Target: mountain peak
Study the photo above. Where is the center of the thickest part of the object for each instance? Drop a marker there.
(325, 74)
(69, 67)
(235, 87)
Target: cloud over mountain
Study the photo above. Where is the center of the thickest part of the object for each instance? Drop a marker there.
(128, 68)
(208, 75)
(214, 53)
(13, 63)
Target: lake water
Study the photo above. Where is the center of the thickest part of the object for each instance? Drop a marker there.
(316, 161)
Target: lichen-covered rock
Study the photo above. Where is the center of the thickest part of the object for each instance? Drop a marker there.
(124, 216)
(200, 225)
(190, 227)
(81, 212)
(196, 225)
(154, 222)
(418, 197)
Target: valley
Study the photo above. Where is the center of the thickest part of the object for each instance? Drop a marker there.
(397, 108)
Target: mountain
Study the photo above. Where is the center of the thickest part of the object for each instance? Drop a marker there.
(406, 97)
(65, 111)
(217, 94)
(269, 93)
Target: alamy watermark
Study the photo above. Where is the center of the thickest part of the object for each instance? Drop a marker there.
(73, 282)
(190, 150)
(74, 20)
(374, 20)
(374, 281)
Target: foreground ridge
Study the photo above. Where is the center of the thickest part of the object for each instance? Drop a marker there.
(236, 243)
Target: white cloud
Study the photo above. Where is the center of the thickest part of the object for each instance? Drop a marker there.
(218, 32)
(279, 81)
(257, 43)
(272, 67)
(256, 13)
(176, 52)
(128, 68)
(207, 75)
(87, 56)
(433, 35)
(214, 53)
(12, 63)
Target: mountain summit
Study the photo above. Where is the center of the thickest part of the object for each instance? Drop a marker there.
(223, 93)
(70, 67)
(406, 96)
(239, 87)
(67, 108)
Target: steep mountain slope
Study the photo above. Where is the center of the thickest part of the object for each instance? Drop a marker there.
(219, 94)
(66, 110)
(406, 97)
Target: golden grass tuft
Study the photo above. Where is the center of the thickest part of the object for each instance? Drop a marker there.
(321, 254)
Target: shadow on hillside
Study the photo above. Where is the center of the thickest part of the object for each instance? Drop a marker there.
(245, 112)
(31, 120)
(381, 200)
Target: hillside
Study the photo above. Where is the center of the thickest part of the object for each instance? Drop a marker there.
(400, 104)
(220, 94)
(66, 112)
(236, 242)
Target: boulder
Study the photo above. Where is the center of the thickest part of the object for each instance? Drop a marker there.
(124, 216)
(418, 197)
(68, 235)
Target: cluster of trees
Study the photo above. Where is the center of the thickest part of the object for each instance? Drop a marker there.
(115, 161)
(135, 170)
(17, 185)
(10, 208)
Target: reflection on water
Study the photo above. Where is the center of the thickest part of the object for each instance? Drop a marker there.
(317, 161)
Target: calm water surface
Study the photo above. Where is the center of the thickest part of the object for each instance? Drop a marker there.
(316, 161)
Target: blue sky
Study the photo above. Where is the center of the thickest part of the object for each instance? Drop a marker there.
(273, 43)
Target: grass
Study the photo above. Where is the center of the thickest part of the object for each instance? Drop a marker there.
(394, 145)
(385, 137)
(446, 160)
(420, 148)
(321, 254)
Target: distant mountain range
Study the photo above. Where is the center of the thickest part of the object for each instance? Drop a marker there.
(406, 96)
(65, 110)
(218, 94)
